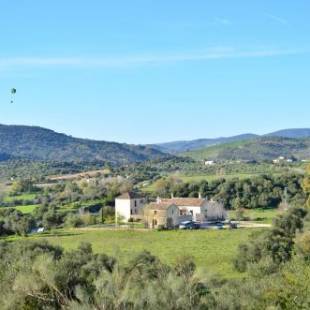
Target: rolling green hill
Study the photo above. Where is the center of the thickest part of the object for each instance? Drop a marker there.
(36, 143)
(294, 133)
(176, 147)
(183, 146)
(262, 148)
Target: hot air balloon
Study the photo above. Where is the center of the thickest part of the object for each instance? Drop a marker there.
(13, 92)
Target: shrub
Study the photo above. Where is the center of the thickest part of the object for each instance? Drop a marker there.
(73, 220)
(303, 245)
(88, 219)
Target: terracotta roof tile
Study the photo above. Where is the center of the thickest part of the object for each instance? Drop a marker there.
(159, 206)
(181, 202)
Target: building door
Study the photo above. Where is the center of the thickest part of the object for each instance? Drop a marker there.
(169, 222)
(154, 223)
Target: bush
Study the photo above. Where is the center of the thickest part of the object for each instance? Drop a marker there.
(88, 219)
(40, 276)
(303, 245)
(239, 214)
(73, 220)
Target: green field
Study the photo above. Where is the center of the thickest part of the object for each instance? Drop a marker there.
(19, 197)
(26, 209)
(258, 215)
(211, 250)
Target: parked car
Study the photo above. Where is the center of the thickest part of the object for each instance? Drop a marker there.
(233, 225)
(189, 225)
(219, 226)
(212, 225)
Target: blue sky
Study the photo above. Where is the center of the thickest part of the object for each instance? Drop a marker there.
(144, 71)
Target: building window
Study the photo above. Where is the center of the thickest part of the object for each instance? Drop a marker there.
(135, 203)
(155, 212)
(130, 211)
(182, 212)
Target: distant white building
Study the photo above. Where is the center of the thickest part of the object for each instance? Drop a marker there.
(159, 214)
(129, 205)
(162, 212)
(209, 162)
(281, 159)
(195, 207)
(278, 160)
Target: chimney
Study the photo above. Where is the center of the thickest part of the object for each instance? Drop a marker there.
(199, 195)
(158, 200)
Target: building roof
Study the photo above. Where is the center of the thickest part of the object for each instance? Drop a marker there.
(159, 206)
(129, 195)
(182, 202)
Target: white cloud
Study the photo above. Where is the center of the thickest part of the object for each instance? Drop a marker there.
(208, 54)
(277, 19)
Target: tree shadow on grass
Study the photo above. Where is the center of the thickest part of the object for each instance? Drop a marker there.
(57, 234)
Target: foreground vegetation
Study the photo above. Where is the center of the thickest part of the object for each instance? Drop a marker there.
(37, 275)
(205, 247)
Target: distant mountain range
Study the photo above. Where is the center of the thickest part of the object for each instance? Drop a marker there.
(176, 147)
(40, 144)
(36, 143)
(257, 149)
(296, 133)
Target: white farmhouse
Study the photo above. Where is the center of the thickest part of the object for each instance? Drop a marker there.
(196, 207)
(209, 162)
(159, 214)
(199, 209)
(129, 205)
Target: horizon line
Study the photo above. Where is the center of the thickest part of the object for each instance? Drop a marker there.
(156, 143)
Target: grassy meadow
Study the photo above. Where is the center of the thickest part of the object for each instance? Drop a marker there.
(26, 209)
(27, 196)
(212, 250)
(257, 215)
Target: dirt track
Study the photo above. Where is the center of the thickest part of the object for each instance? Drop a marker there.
(248, 224)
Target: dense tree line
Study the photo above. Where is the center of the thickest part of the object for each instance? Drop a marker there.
(39, 170)
(257, 192)
(152, 170)
(85, 190)
(59, 205)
